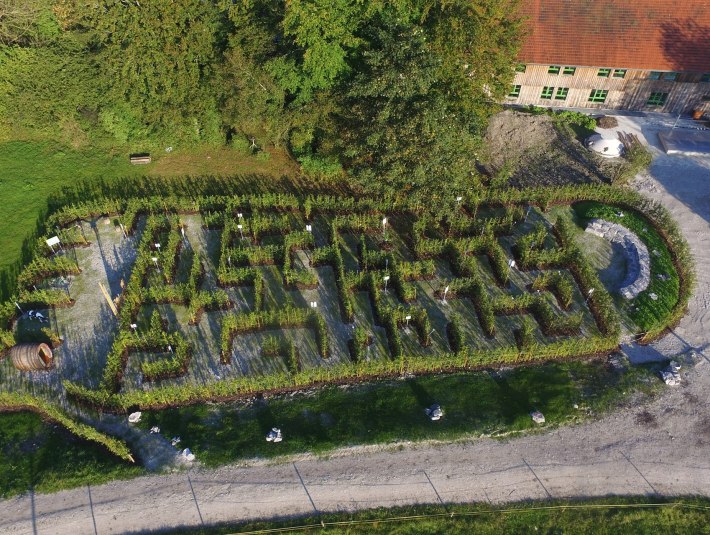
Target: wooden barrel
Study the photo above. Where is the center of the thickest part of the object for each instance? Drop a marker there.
(30, 357)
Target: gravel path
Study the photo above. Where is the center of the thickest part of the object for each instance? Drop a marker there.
(662, 448)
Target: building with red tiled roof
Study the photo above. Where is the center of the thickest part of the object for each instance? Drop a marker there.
(650, 55)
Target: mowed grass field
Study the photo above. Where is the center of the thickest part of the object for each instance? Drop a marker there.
(40, 455)
(32, 171)
(482, 403)
(642, 515)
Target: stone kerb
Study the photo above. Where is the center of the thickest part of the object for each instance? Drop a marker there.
(638, 262)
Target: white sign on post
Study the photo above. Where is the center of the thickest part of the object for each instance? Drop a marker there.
(309, 228)
(51, 242)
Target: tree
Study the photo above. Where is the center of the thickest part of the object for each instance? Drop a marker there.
(27, 22)
(400, 137)
(412, 114)
(158, 59)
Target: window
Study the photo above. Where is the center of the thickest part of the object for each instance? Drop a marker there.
(520, 67)
(561, 93)
(554, 69)
(604, 73)
(598, 95)
(619, 73)
(706, 77)
(547, 92)
(569, 71)
(514, 91)
(706, 98)
(654, 75)
(657, 99)
(670, 76)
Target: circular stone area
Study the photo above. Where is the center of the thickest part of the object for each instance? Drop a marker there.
(635, 253)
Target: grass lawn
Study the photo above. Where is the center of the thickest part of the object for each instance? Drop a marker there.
(31, 171)
(485, 402)
(35, 454)
(46, 457)
(641, 515)
(646, 312)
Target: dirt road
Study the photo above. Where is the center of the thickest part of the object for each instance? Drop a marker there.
(662, 448)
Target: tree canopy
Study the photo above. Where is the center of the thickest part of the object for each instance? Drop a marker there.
(396, 92)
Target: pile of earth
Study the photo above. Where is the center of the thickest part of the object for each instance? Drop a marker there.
(533, 149)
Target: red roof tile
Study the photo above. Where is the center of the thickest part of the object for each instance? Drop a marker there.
(635, 34)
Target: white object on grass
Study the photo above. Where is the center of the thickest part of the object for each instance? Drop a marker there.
(274, 435)
(188, 455)
(434, 412)
(537, 417)
(154, 429)
(134, 417)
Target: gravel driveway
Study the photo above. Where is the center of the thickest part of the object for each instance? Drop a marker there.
(662, 448)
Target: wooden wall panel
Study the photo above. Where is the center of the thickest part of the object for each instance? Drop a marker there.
(629, 93)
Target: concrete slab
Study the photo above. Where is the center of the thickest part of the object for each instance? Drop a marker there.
(685, 141)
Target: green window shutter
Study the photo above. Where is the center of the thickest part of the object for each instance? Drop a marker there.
(514, 91)
(569, 71)
(654, 75)
(561, 93)
(520, 67)
(547, 92)
(604, 73)
(619, 73)
(554, 69)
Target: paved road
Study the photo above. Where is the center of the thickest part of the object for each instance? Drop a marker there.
(666, 452)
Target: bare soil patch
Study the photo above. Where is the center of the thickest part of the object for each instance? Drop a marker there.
(537, 150)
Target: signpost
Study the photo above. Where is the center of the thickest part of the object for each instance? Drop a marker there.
(386, 278)
(52, 242)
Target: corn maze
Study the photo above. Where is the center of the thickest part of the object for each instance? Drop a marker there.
(220, 297)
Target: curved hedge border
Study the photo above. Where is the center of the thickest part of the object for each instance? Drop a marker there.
(19, 402)
(657, 215)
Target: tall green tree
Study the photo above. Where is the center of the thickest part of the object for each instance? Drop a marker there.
(157, 62)
(400, 136)
(412, 115)
(47, 80)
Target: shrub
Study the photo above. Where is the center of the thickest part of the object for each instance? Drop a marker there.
(320, 167)
(270, 346)
(607, 121)
(455, 335)
(636, 160)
